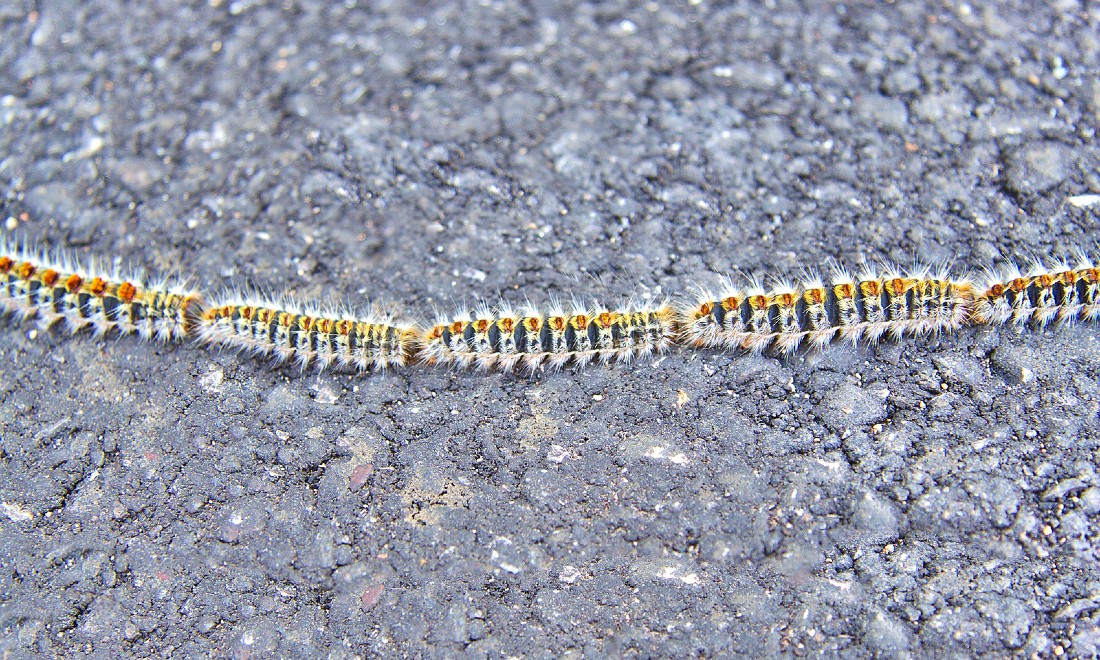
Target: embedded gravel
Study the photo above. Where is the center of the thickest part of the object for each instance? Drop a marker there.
(929, 497)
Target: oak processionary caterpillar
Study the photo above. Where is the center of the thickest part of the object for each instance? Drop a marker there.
(1040, 295)
(52, 289)
(783, 318)
(504, 337)
(288, 331)
(865, 306)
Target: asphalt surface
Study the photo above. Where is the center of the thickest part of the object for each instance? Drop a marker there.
(923, 497)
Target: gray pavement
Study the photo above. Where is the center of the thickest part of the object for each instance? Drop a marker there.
(931, 497)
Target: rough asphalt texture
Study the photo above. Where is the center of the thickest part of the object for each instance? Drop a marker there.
(925, 497)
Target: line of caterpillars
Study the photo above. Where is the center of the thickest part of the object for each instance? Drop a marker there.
(781, 319)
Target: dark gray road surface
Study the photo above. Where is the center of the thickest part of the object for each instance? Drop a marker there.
(926, 497)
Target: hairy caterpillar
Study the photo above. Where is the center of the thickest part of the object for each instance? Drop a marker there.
(865, 306)
(504, 337)
(784, 317)
(1040, 296)
(306, 335)
(35, 285)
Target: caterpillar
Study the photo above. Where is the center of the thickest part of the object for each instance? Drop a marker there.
(52, 289)
(783, 317)
(815, 312)
(289, 331)
(505, 337)
(1041, 295)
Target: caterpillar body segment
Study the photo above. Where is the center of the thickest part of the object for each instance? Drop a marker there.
(504, 338)
(36, 285)
(1041, 295)
(816, 312)
(287, 331)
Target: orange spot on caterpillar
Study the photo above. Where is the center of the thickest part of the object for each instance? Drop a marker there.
(49, 278)
(97, 286)
(126, 292)
(5, 264)
(26, 270)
